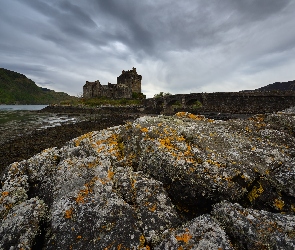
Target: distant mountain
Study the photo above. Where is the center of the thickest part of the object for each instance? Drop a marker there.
(284, 86)
(16, 88)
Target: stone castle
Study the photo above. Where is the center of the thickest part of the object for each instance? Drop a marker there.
(127, 83)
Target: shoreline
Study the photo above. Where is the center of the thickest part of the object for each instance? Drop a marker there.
(30, 142)
(27, 145)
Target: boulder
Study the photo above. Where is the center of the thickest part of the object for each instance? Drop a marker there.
(203, 232)
(180, 182)
(256, 229)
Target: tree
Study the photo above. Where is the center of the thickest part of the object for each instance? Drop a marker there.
(161, 94)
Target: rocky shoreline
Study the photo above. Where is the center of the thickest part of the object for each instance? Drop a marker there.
(31, 141)
(23, 140)
(158, 182)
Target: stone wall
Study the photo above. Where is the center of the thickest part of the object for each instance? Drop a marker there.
(225, 102)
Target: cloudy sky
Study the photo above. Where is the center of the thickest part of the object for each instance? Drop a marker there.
(177, 46)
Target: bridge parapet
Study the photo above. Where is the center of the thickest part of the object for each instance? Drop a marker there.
(225, 102)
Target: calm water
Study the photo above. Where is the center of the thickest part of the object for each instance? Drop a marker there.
(21, 107)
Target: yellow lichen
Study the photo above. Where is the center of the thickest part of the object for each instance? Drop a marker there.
(255, 193)
(248, 129)
(279, 204)
(141, 241)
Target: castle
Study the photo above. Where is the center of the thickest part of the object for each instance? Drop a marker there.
(127, 83)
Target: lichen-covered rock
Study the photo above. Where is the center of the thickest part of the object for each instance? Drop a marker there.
(14, 188)
(155, 212)
(202, 161)
(20, 227)
(152, 183)
(254, 229)
(202, 232)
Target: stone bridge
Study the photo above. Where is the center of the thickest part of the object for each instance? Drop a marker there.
(225, 102)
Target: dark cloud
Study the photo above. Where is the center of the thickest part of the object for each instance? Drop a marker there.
(178, 46)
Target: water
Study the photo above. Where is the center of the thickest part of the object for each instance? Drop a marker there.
(16, 120)
(21, 107)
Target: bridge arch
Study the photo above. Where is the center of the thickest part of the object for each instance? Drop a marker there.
(174, 100)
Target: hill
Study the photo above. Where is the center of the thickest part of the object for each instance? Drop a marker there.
(16, 88)
(283, 86)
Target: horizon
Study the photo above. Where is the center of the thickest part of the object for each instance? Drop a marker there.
(155, 93)
(178, 47)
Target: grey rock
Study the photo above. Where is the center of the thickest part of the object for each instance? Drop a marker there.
(152, 183)
(202, 232)
(254, 229)
(202, 161)
(21, 225)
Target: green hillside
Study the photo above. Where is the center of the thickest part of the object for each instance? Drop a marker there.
(16, 88)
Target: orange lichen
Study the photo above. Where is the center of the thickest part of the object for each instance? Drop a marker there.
(257, 118)
(216, 163)
(69, 213)
(279, 204)
(166, 143)
(79, 237)
(82, 137)
(133, 183)
(4, 194)
(92, 164)
(185, 237)
(88, 188)
(110, 174)
(153, 208)
(191, 116)
(144, 130)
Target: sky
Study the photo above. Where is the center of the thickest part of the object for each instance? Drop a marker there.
(177, 46)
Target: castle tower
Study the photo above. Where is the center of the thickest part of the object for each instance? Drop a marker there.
(131, 79)
(91, 89)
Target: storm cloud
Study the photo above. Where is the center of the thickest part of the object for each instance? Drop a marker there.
(177, 46)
